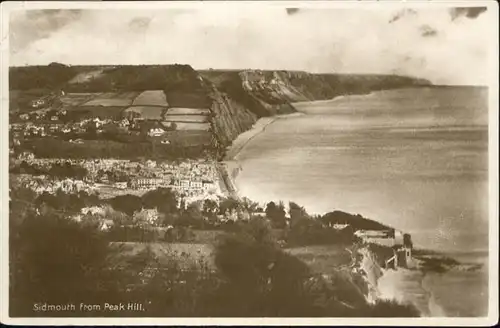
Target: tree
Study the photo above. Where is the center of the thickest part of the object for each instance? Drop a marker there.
(297, 213)
(210, 207)
(126, 203)
(270, 279)
(276, 214)
(192, 216)
(164, 199)
(249, 205)
(228, 204)
(172, 126)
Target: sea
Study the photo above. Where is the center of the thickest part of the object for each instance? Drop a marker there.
(415, 159)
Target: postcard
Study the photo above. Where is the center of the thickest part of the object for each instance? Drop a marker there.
(250, 163)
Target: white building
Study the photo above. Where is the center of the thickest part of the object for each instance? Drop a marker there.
(156, 132)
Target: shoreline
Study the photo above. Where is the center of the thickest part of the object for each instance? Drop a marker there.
(230, 167)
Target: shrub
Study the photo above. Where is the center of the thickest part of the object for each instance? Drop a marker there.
(56, 260)
(392, 309)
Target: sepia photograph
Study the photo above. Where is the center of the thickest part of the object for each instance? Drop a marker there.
(250, 162)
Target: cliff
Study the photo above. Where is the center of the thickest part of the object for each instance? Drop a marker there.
(271, 92)
(235, 98)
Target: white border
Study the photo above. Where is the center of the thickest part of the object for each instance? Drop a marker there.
(492, 318)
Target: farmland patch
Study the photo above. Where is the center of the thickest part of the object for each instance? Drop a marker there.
(76, 99)
(146, 112)
(151, 98)
(187, 255)
(188, 111)
(188, 99)
(188, 126)
(322, 258)
(113, 99)
(186, 118)
(102, 112)
(188, 138)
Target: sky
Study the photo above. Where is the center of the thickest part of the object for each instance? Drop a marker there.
(444, 45)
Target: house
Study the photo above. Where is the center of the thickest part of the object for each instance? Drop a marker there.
(77, 141)
(93, 210)
(106, 224)
(121, 185)
(156, 132)
(371, 233)
(54, 118)
(147, 183)
(124, 123)
(196, 184)
(27, 156)
(43, 101)
(97, 122)
(208, 185)
(338, 226)
(402, 253)
(150, 164)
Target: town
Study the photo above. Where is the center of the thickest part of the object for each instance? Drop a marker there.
(193, 180)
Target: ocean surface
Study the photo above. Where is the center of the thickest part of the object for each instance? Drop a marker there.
(416, 159)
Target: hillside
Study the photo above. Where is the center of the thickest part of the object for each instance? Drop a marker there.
(223, 103)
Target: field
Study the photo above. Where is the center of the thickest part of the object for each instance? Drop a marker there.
(187, 138)
(147, 112)
(188, 99)
(186, 118)
(322, 259)
(207, 236)
(189, 126)
(151, 98)
(103, 112)
(76, 99)
(113, 99)
(188, 111)
(188, 255)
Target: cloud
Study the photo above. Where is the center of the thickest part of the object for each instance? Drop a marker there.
(426, 43)
(31, 25)
(469, 12)
(402, 13)
(139, 24)
(427, 31)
